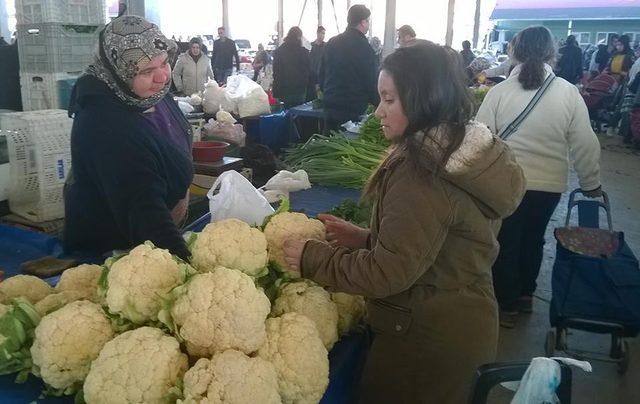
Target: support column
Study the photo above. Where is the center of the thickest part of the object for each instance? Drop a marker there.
(225, 17)
(280, 21)
(4, 21)
(319, 12)
(448, 38)
(570, 28)
(476, 24)
(135, 7)
(389, 28)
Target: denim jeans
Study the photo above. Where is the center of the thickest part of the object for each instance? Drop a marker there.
(221, 75)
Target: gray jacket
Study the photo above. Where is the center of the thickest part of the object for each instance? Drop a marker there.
(188, 76)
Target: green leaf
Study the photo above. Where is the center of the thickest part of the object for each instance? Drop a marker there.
(79, 397)
(285, 206)
(17, 327)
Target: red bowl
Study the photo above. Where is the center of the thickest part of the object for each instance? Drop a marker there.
(209, 151)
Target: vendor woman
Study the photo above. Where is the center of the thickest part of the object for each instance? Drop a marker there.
(130, 146)
(425, 263)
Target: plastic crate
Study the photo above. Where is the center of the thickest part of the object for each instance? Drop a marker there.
(39, 145)
(61, 11)
(46, 90)
(56, 48)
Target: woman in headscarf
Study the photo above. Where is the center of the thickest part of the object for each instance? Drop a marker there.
(130, 146)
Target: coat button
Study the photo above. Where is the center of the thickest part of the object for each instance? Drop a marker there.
(398, 327)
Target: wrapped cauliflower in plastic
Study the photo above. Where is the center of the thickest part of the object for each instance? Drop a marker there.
(312, 301)
(230, 243)
(290, 226)
(294, 347)
(231, 377)
(140, 366)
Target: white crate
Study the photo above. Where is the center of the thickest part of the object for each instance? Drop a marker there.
(61, 11)
(56, 48)
(43, 90)
(39, 145)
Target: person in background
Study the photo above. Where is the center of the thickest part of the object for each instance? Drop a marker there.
(3, 42)
(424, 264)
(611, 44)
(224, 51)
(192, 70)
(315, 56)
(261, 61)
(130, 146)
(348, 72)
(467, 53)
(599, 60)
(569, 67)
(556, 128)
(376, 45)
(291, 70)
(407, 37)
(622, 58)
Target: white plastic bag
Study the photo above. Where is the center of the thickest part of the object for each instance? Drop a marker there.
(250, 98)
(288, 181)
(540, 381)
(215, 97)
(237, 199)
(232, 133)
(185, 107)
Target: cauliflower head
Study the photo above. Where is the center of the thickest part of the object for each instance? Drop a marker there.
(230, 243)
(82, 279)
(351, 311)
(138, 282)
(67, 341)
(311, 301)
(220, 310)
(294, 347)
(55, 301)
(139, 366)
(290, 226)
(29, 287)
(231, 377)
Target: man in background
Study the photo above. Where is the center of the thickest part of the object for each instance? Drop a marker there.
(224, 51)
(315, 58)
(467, 53)
(407, 37)
(349, 72)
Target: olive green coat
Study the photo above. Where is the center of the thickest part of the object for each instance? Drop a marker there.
(427, 272)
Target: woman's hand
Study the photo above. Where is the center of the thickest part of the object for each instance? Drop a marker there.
(293, 254)
(344, 234)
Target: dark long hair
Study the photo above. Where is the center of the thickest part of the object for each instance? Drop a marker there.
(431, 85)
(624, 40)
(294, 36)
(533, 47)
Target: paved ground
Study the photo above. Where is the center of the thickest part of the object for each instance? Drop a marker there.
(620, 167)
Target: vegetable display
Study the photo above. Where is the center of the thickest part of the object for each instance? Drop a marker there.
(146, 327)
(340, 160)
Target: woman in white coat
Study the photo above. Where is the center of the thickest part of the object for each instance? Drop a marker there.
(555, 132)
(192, 70)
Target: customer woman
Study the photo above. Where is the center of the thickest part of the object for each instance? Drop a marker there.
(556, 127)
(192, 70)
(130, 146)
(425, 263)
(622, 58)
(291, 66)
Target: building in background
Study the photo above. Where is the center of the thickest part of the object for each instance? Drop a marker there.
(591, 21)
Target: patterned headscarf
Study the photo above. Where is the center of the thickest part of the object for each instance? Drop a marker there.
(124, 43)
(479, 64)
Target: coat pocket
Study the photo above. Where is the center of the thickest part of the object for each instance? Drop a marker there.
(388, 318)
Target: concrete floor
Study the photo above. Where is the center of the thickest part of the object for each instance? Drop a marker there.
(620, 171)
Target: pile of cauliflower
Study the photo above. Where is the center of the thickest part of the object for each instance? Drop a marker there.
(147, 327)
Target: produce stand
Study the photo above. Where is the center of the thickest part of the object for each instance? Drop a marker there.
(346, 358)
(308, 111)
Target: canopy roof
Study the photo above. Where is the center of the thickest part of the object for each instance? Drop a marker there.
(566, 10)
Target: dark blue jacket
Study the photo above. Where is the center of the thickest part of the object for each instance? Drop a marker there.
(125, 177)
(349, 73)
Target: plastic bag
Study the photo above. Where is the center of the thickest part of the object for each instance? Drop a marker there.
(288, 181)
(250, 98)
(185, 107)
(215, 97)
(232, 133)
(540, 381)
(237, 199)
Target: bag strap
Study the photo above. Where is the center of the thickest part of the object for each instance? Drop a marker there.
(515, 124)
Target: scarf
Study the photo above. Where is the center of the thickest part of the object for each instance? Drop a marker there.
(123, 44)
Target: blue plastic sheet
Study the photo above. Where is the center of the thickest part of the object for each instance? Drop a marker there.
(18, 245)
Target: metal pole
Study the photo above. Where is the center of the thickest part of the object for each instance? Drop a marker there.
(448, 38)
(570, 27)
(389, 28)
(280, 21)
(225, 17)
(319, 12)
(348, 4)
(476, 24)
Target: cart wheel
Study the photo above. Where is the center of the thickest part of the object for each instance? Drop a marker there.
(623, 365)
(550, 344)
(561, 342)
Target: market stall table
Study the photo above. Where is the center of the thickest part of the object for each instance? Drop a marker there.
(346, 358)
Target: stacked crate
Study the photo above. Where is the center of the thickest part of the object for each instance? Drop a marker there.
(56, 42)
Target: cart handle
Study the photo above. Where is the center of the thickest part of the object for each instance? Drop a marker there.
(604, 204)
